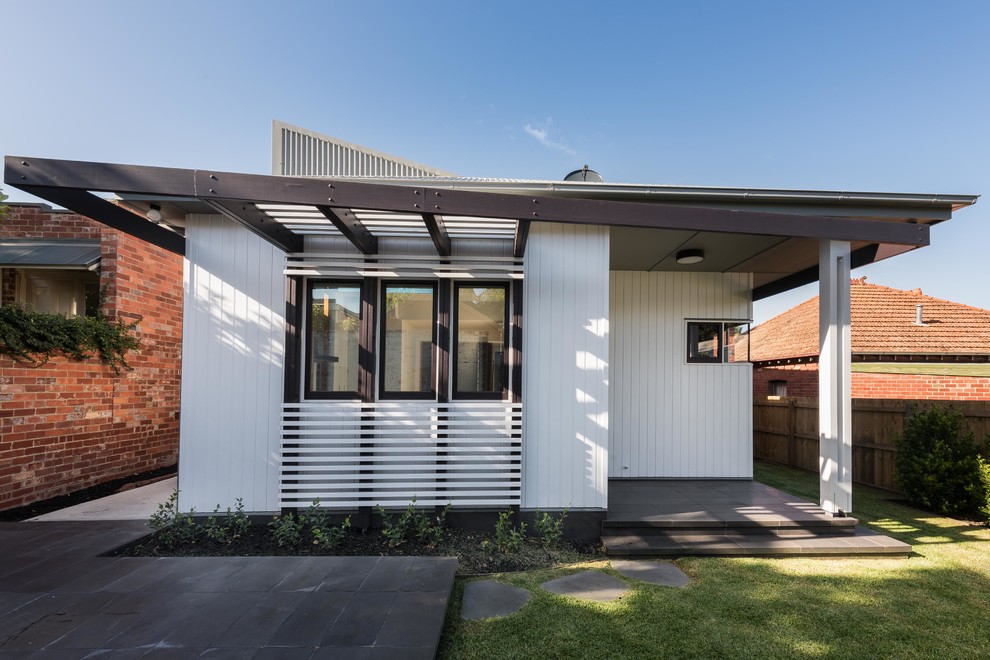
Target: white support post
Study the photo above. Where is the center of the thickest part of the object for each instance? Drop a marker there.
(834, 371)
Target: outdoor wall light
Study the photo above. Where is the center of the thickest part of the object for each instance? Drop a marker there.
(154, 213)
(688, 257)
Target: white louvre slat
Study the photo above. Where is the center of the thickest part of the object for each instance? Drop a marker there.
(349, 453)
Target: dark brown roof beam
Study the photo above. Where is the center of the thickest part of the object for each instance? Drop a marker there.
(352, 228)
(438, 232)
(519, 242)
(87, 204)
(22, 171)
(248, 215)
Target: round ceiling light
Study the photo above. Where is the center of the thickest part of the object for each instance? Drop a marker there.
(688, 257)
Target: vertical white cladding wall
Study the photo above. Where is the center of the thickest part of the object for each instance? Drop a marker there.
(233, 339)
(565, 367)
(670, 418)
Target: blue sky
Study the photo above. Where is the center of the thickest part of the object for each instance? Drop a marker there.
(878, 96)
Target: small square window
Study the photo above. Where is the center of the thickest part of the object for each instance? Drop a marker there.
(717, 342)
(778, 388)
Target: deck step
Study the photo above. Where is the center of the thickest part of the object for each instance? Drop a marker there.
(679, 543)
(775, 526)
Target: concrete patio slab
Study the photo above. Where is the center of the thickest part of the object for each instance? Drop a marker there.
(487, 598)
(60, 599)
(588, 585)
(654, 572)
(134, 504)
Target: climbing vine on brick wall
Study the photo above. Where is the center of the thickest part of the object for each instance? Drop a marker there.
(36, 337)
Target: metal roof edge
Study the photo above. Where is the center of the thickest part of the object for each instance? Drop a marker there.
(657, 192)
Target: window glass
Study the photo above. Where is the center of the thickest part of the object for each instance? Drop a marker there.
(735, 340)
(480, 337)
(713, 342)
(703, 341)
(56, 291)
(408, 319)
(335, 315)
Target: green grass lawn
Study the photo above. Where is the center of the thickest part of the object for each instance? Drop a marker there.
(934, 604)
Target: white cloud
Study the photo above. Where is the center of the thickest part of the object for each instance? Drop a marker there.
(541, 134)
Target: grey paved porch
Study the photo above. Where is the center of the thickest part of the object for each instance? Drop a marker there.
(60, 599)
(673, 517)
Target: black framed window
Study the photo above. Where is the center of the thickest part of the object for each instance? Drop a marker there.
(717, 342)
(408, 338)
(334, 323)
(481, 314)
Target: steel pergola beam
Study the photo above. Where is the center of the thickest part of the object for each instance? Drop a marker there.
(519, 242)
(352, 228)
(87, 204)
(438, 232)
(248, 215)
(207, 185)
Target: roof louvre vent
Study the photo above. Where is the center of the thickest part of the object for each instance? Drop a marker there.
(584, 174)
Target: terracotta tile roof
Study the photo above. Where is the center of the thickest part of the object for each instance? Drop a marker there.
(883, 321)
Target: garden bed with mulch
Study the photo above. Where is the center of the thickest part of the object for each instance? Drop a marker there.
(470, 547)
(418, 532)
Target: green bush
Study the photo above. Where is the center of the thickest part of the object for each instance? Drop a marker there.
(173, 528)
(937, 465)
(508, 539)
(286, 530)
(36, 337)
(985, 471)
(550, 528)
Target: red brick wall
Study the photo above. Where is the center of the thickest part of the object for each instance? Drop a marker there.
(69, 425)
(802, 380)
(910, 386)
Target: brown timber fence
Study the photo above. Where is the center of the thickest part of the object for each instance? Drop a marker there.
(786, 431)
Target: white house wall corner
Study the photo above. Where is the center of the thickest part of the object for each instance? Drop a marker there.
(233, 350)
(565, 367)
(669, 418)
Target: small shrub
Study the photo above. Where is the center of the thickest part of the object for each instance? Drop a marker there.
(430, 530)
(286, 530)
(394, 530)
(330, 537)
(237, 521)
(172, 527)
(550, 528)
(508, 539)
(215, 530)
(937, 465)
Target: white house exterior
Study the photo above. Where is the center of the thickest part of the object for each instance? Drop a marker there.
(366, 330)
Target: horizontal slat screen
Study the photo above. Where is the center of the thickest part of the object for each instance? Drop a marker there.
(351, 454)
(454, 267)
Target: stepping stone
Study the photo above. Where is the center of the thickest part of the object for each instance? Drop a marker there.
(488, 598)
(654, 572)
(588, 585)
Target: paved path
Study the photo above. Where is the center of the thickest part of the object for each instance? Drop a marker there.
(134, 504)
(60, 599)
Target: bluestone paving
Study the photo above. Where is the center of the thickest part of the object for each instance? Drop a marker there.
(487, 598)
(59, 598)
(654, 572)
(588, 585)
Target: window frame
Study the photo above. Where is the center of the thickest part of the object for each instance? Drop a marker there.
(722, 358)
(380, 345)
(455, 393)
(309, 393)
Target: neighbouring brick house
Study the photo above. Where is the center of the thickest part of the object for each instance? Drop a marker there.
(905, 345)
(68, 425)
